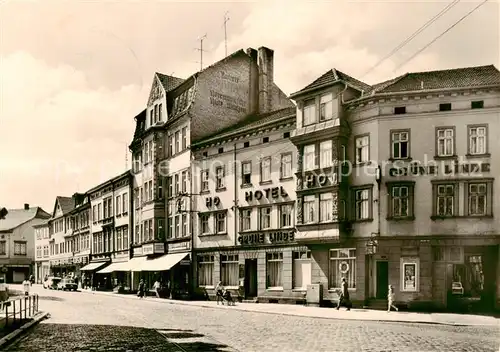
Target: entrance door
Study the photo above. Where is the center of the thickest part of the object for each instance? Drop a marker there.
(382, 279)
(250, 278)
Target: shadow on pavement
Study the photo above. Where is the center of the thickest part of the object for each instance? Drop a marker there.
(72, 337)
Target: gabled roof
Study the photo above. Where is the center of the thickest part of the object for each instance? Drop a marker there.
(168, 82)
(67, 204)
(17, 217)
(250, 123)
(333, 76)
(479, 76)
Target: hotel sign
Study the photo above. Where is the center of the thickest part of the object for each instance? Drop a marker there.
(260, 238)
(275, 192)
(443, 169)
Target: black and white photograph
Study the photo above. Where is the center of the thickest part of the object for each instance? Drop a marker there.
(249, 176)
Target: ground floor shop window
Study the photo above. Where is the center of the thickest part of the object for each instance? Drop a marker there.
(342, 265)
(206, 270)
(274, 268)
(229, 269)
(410, 272)
(301, 270)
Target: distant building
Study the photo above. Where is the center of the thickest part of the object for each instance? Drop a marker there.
(17, 242)
(42, 255)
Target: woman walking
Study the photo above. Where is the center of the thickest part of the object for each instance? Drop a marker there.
(390, 299)
(141, 291)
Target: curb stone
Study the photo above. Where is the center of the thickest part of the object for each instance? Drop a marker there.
(396, 321)
(10, 337)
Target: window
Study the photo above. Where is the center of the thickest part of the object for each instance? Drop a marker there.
(400, 141)
(309, 112)
(3, 247)
(325, 207)
(204, 181)
(274, 268)
(246, 220)
(401, 200)
(160, 188)
(445, 107)
(19, 248)
(160, 229)
(362, 149)
(170, 145)
(301, 270)
(204, 224)
(477, 104)
(409, 274)
(265, 169)
(151, 113)
(286, 135)
(310, 157)
(146, 153)
(325, 155)
(118, 205)
(445, 141)
(184, 225)
(220, 222)
(176, 184)
(264, 218)
(177, 229)
(206, 265)
(184, 138)
(477, 140)
(229, 270)
(118, 239)
(221, 150)
(265, 140)
(446, 199)
(286, 165)
(160, 108)
(398, 110)
(219, 177)
(362, 204)
(177, 142)
(246, 144)
(309, 207)
(286, 215)
(326, 107)
(184, 181)
(246, 172)
(479, 198)
(342, 265)
(150, 190)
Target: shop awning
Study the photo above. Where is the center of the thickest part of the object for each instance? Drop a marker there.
(114, 267)
(93, 266)
(164, 262)
(134, 264)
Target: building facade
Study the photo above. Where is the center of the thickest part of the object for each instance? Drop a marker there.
(42, 257)
(245, 226)
(80, 233)
(17, 242)
(417, 215)
(110, 242)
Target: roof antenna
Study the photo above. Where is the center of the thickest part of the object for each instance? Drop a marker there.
(226, 18)
(200, 49)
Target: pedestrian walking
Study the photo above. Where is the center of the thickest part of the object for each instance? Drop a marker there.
(391, 299)
(141, 291)
(219, 291)
(156, 287)
(344, 296)
(26, 286)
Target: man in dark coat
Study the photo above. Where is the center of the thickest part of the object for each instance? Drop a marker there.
(344, 296)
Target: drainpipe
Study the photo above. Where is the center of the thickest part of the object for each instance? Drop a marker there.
(235, 206)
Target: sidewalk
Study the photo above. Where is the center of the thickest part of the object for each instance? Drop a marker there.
(330, 313)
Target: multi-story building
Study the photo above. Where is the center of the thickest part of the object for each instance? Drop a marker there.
(178, 113)
(406, 212)
(80, 235)
(244, 233)
(42, 262)
(61, 248)
(111, 223)
(17, 242)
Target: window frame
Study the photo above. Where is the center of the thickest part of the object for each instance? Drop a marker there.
(207, 260)
(488, 182)
(325, 104)
(280, 214)
(309, 104)
(283, 165)
(338, 260)
(244, 217)
(216, 220)
(356, 154)
(435, 200)
(228, 259)
(243, 174)
(266, 159)
(269, 215)
(453, 142)
(204, 218)
(204, 181)
(369, 200)
(222, 178)
(411, 201)
(392, 142)
(307, 259)
(270, 258)
(486, 140)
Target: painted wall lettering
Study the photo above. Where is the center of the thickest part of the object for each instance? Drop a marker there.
(215, 201)
(444, 169)
(274, 237)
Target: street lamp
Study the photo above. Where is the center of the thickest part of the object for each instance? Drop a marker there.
(378, 175)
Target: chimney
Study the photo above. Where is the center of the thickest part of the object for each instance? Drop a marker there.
(266, 78)
(26, 206)
(254, 81)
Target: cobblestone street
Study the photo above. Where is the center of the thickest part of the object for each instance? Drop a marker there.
(149, 325)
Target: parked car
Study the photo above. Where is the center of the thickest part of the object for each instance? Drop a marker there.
(51, 282)
(67, 284)
(457, 289)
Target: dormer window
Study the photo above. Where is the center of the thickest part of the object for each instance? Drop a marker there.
(309, 112)
(326, 107)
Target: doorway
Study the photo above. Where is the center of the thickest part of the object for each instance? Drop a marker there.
(382, 279)
(250, 278)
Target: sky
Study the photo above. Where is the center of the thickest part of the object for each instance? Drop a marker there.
(73, 74)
